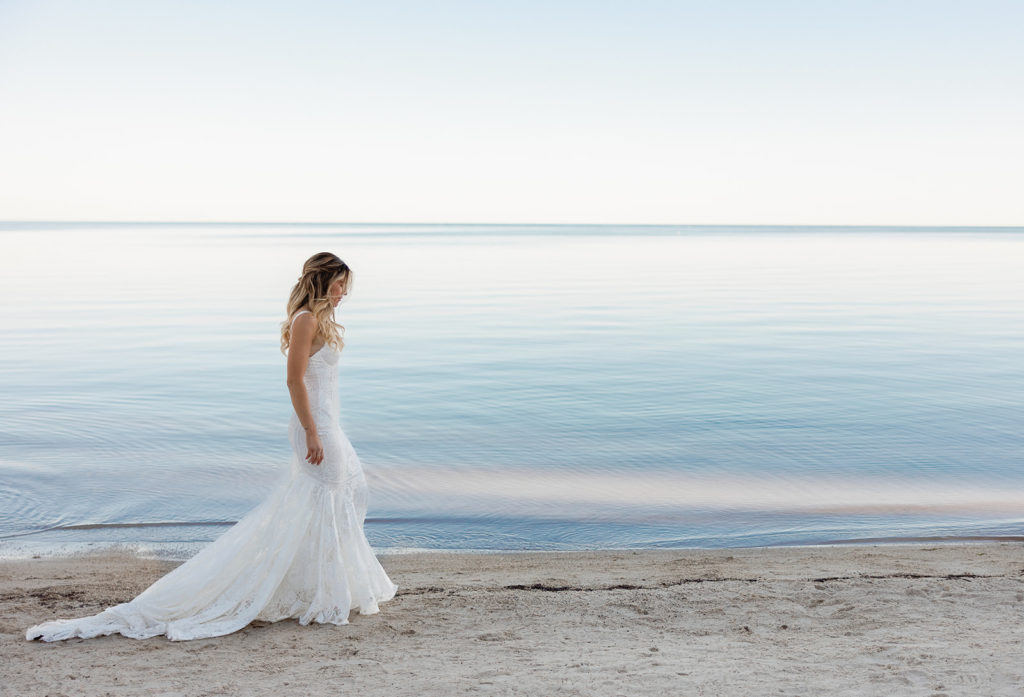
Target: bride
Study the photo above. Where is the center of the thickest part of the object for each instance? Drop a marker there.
(302, 552)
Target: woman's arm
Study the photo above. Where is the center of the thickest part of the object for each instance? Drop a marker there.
(303, 331)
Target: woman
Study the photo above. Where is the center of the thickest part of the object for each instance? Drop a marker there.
(302, 552)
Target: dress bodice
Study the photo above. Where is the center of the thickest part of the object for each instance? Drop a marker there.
(328, 353)
(321, 381)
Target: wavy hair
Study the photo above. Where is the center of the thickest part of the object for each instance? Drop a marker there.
(310, 292)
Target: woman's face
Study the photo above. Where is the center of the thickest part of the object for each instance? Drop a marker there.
(337, 291)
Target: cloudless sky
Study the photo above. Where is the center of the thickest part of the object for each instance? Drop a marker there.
(557, 111)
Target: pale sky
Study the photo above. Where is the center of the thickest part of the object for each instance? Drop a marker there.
(554, 111)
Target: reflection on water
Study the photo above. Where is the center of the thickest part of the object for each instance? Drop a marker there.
(521, 387)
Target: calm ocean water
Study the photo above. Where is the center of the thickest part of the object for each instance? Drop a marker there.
(515, 387)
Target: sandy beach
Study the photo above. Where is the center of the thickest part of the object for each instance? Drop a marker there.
(905, 619)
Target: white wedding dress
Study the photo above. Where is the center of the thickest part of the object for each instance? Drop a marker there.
(301, 553)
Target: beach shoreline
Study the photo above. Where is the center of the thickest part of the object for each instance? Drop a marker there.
(15, 549)
(853, 619)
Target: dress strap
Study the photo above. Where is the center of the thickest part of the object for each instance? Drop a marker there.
(299, 313)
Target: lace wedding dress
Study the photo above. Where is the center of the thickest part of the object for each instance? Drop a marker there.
(301, 553)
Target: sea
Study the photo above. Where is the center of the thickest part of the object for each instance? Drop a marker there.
(520, 387)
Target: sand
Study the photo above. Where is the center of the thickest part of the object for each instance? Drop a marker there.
(917, 619)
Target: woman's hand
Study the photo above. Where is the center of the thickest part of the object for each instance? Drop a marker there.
(315, 449)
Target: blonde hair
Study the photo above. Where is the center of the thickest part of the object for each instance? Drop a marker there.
(311, 292)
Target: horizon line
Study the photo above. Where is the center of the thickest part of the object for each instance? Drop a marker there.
(519, 224)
